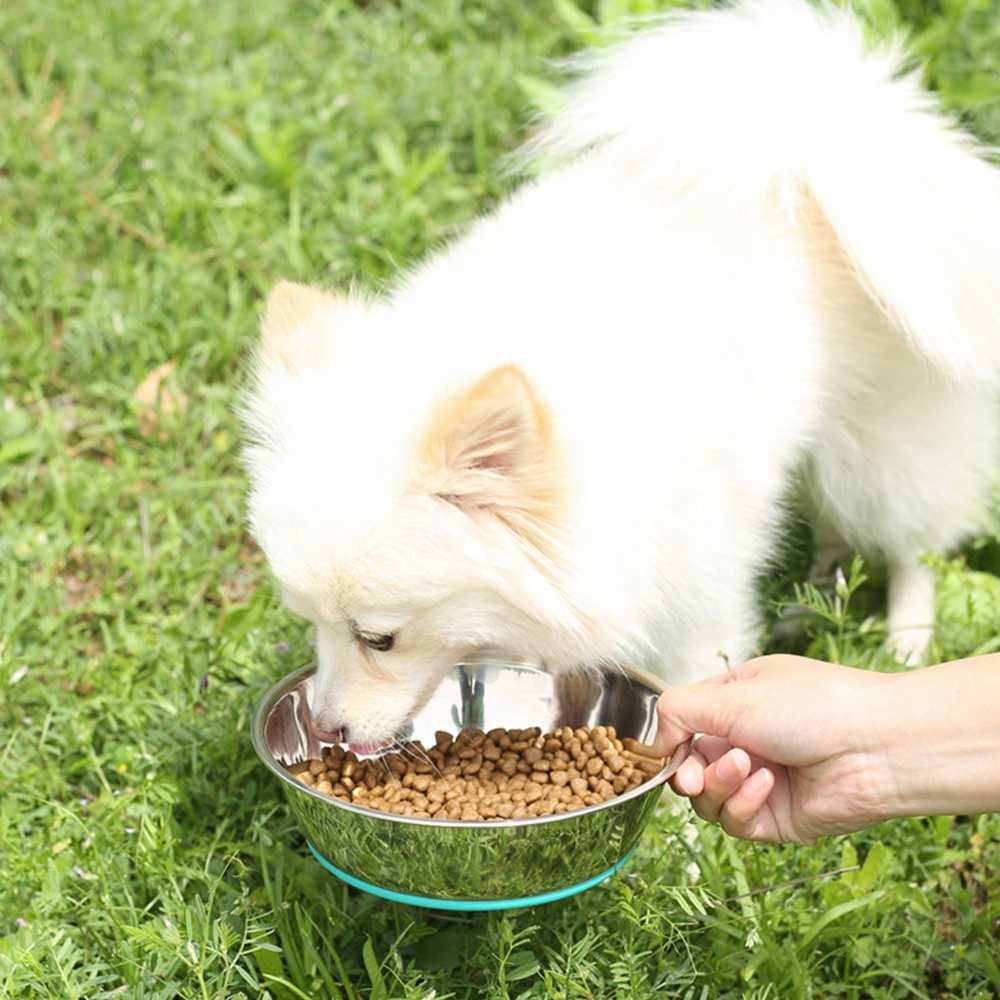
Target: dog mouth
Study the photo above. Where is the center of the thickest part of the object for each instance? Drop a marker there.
(362, 748)
(370, 748)
(326, 735)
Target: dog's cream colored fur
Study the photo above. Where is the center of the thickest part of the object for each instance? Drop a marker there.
(756, 250)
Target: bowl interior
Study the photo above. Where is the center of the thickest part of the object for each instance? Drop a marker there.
(486, 695)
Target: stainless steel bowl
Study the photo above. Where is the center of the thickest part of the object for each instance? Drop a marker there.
(450, 864)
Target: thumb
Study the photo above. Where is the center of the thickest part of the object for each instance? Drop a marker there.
(709, 708)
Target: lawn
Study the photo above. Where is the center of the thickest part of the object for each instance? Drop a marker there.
(161, 164)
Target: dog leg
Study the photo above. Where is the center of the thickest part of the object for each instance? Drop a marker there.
(725, 646)
(911, 610)
(907, 465)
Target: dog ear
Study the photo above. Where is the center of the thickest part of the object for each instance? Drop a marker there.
(292, 331)
(490, 449)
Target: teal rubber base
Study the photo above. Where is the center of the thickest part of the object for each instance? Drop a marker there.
(468, 905)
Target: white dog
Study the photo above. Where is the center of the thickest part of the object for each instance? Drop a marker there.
(758, 255)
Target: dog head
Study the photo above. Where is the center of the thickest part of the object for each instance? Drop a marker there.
(413, 523)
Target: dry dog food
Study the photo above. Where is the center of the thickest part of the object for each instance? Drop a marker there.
(502, 774)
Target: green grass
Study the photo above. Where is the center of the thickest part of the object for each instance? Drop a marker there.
(161, 164)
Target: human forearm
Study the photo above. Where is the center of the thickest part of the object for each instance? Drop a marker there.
(938, 731)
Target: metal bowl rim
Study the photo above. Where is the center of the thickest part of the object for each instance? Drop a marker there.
(270, 698)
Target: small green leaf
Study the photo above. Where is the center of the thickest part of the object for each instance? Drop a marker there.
(432, 164)
(863, 951)
(875, 866)
(236, 149)
(389, 155)
(20, 447)
(880, 16)
(237, 622)
(576, 20)
(444, 950)
(991, 968)
(379, 991)
(288, 989)
(840, 911)
(268, 959)
(848, 858)
(523, 965)
(545, 96)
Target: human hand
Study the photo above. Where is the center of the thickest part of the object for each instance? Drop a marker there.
(792, 748)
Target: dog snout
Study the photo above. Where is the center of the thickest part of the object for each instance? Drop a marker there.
(327, 726)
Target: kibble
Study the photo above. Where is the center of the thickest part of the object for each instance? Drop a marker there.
(500, 774)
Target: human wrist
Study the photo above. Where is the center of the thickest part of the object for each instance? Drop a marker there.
(936, 740)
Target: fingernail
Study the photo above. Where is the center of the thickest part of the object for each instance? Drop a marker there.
(729, 768)
(688, 778)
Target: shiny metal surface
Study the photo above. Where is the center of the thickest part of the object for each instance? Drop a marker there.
(455, 860)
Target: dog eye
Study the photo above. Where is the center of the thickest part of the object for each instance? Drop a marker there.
(381, 643)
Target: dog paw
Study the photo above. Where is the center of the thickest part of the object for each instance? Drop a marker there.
(909, 645)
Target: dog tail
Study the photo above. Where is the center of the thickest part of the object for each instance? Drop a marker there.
(790, 98)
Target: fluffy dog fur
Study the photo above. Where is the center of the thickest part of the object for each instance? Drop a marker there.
(758, 253)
